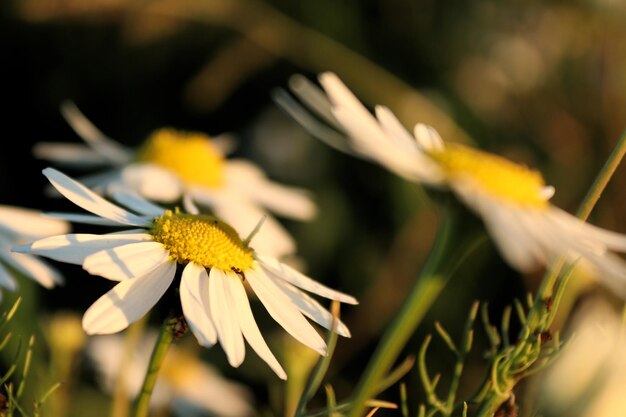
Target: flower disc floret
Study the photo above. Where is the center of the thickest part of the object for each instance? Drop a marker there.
(202, 239)
(498, 176)
(189, 154)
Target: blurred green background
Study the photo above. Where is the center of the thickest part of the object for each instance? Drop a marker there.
(540, 82)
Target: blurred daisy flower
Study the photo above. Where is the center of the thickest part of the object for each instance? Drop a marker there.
(511, 199)
(217, 264)
(172, 164)
(587, 378)
(187, 385)
(19, 225)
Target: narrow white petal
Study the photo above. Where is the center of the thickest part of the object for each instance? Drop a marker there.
(74, 248)
(289, 274)
(224, 317)
(6, 279)
(153, 182)
(90, 201)
(33, 268)
(583, 230)
(83, 218)
(135, 202)
(249, 327)
(394, 129)
(314, 97)
(280, 307)
(371, 140)
(428, 138)
(189, 205)
(196, 314)
(69, 155)
(312, 309)
(30, 224)
(105, 146)
(290, 202)
(128, 301)
(127, 261)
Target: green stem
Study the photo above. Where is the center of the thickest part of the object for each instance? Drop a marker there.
(166, 336)
(425, 290)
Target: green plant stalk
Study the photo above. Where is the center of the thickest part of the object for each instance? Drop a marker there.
(546, 289)
(166, 336)
(425, 290)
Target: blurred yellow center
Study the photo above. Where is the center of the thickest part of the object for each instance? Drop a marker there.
(202, 239)
(498, 176)
(189, 154)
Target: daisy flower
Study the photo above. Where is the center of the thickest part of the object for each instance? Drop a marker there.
(187, 385)
(172, 164)
(19, 225)
(511, 199)
(217, 269)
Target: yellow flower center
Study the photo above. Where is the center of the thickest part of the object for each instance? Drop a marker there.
(189, 154)
(202, 239)
(498, 176)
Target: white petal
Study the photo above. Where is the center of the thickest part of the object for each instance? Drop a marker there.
(428, 138)
(135, 202)
(287, 273)
(583, 230)
(312, 309)
(189, 205)
(127, 261)
(280, 307)
(371, 140)
(105, 146)
(33, 268)
(248, 180)
(128, 301)
(82, 218)
(249, 327)
(90, 201)
(395, 131)
(69, 155)
(314, 97)
(224, 317)
(30, 224)
(193, 282)
(271, 239)
(74, 248)
(6, 279)
(153, 182)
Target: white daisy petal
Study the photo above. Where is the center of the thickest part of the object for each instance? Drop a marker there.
(105, 146)
(224, 316)
(583, 230)
(153, 182)
(88, 200)
(249, 327)
(6, 279)
(127, 261)
(287, 273)
(311, 308)
(394, 129)
(271, 239)
(30, 224)
(128, 301)
(428, 138)
(74, 248)
(135, 202)
(82, 218)
(70, 155)
(193, 283)
(33, 268)
(285, 201)
(280, 307)
(189, 205)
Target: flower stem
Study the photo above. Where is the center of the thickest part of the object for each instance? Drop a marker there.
(427, 287)
(166, 336)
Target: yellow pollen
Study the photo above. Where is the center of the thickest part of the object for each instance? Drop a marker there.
(191, 155)
(202, 239)
(498, 176)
